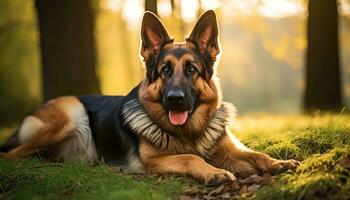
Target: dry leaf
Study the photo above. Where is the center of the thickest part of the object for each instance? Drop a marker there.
(235, 190)
(266, 178)
(244, 189)
(217, 191)
(251, 179)
(253, 188)
(345, 162)
(235, 185)
(225, 195)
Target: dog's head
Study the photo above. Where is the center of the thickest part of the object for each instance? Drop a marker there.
(179, 89)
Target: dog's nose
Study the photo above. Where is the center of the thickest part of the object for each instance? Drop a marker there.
(176, 96)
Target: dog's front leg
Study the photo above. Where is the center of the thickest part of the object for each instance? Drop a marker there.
(232, 155)
(188, 164)
(191, 165)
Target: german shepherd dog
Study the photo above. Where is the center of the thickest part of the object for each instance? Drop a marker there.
(174, 121)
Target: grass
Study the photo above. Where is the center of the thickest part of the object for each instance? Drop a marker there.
(33, 179)
(320, 142)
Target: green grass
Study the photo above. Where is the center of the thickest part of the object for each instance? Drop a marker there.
(33, 179)
(320, 142)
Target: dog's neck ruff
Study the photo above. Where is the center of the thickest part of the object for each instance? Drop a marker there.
(136, 118)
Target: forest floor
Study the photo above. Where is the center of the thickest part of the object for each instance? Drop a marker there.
(321, 143)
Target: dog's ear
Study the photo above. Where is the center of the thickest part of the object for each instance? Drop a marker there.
(205, 34)
(153, 35)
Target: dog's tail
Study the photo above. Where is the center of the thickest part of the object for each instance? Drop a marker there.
(11, 143)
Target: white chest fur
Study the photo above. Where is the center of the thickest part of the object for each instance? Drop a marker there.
(137, 119)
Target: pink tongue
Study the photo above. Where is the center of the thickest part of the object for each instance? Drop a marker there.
(178, 118)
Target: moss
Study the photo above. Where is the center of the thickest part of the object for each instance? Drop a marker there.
(284, 150)
(319, 176)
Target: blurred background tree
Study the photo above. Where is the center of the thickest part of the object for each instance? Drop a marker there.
(20, 83)
(92, 46)
(323, 84)
(68, 54)
(151, 5)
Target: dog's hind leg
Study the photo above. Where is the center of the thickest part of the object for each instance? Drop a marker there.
(19, 143)
(11, 143)
(47, 127)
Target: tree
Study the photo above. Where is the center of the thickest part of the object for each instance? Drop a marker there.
(151, 5)
(323, 84)
(67, 47)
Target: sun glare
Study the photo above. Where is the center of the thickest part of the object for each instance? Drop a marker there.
(345, 7)
(239, 7)
(266, 8)
(164, 7)
(132, 10)
(210, 4)
(189, 10)
(114, 5)
(280, 8)
(132, 13)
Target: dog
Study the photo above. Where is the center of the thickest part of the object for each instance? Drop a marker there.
(174, 121)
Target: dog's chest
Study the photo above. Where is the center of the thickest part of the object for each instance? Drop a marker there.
(137, 119)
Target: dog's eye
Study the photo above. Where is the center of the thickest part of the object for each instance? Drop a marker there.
(191, 69)
(165, 69)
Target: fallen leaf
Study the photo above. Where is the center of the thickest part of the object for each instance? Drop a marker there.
(217, 191)
(225, 195)
(345, 162)
(251, 179)
(266, 178)
(185, 197)
(253, 188)
(235, 185)
(244, 189)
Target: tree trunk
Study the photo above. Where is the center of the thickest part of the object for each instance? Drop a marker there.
(323, 84)
(151, 5)
(67, 47)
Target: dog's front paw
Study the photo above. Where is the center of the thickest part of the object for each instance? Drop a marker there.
(218, 176)
(279, 166)
(266, 164)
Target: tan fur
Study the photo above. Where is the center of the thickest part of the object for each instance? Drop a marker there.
(229, 157)
(195, 166)
(235, 157)
(31, 125)
(209, 98)
(46, 127)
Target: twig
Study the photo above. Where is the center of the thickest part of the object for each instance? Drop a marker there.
(47, 165)
(8, 177)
